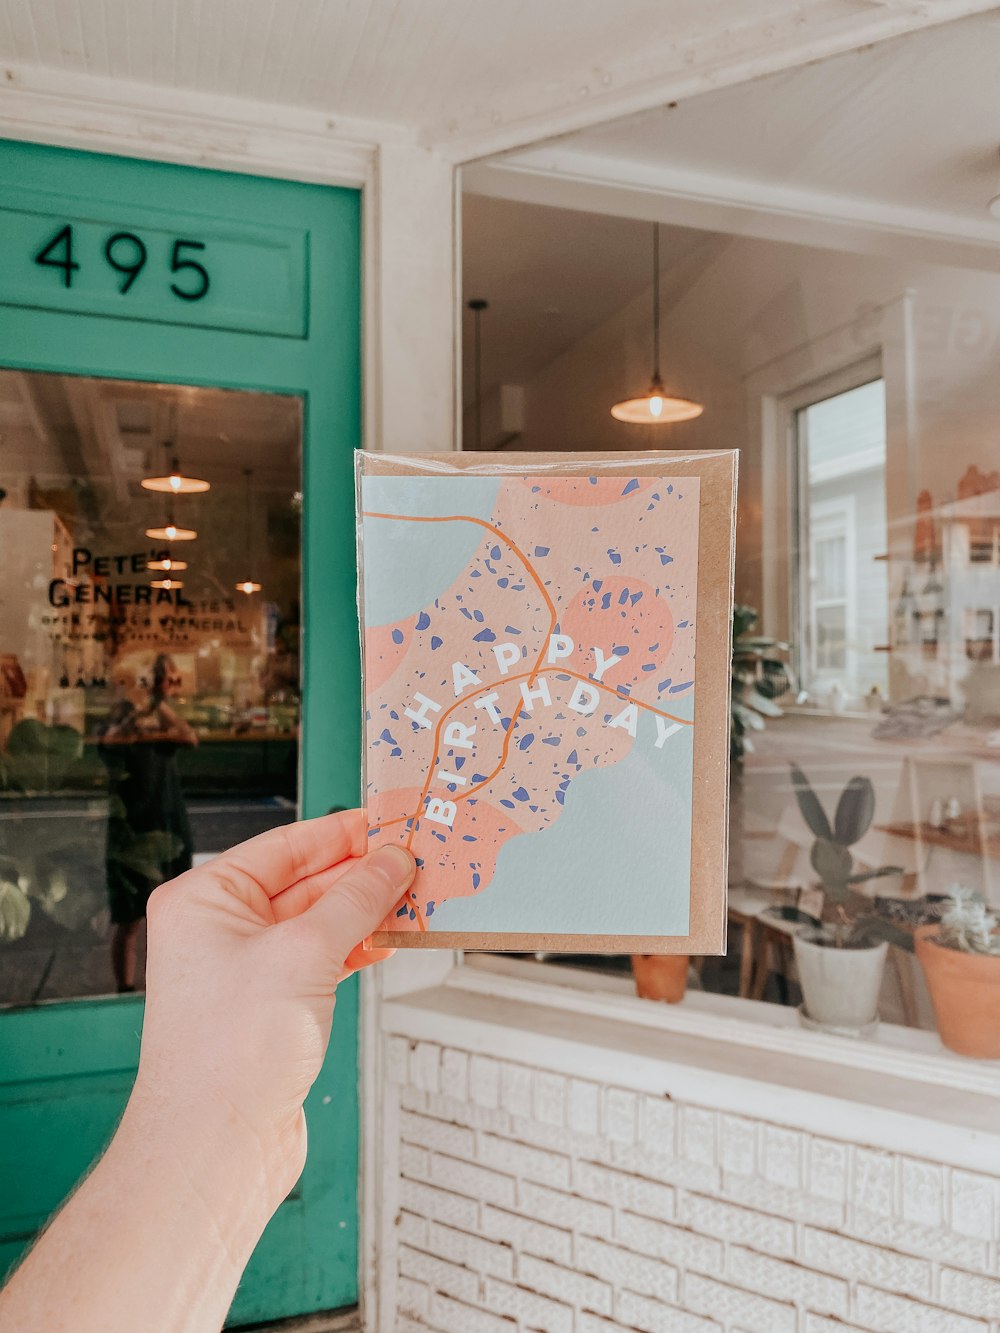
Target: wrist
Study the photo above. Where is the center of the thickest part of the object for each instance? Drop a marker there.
(208, 1150)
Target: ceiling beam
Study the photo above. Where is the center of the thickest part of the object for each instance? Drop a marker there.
(803, 33)
(561, 177)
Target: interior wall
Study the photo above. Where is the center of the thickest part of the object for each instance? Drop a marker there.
(764, 318)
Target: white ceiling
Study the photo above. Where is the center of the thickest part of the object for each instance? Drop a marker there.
(899, 143)
(471, 76)
(909, 124)
(902, 137)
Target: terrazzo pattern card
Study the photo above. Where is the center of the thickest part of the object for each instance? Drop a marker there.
(546, 694)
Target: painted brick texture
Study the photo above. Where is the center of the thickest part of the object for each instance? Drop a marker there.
(532, 1201)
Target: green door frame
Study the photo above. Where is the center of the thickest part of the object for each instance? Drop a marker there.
(66, 1068)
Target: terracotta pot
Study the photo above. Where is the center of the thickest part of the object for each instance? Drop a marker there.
(660, 976)
(965, 991)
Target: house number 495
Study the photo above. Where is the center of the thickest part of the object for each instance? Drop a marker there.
(126, 253)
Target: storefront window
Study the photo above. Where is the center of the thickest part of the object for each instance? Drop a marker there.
(856, 373)
(149, 657)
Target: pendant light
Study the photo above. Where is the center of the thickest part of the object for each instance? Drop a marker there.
(171, 532)
(656, 407)
(247, 586)
(175, 483)
(167, 564)
(166, 583)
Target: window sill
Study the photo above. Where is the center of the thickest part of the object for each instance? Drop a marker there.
(899, 1090)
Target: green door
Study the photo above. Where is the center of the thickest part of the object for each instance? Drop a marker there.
(147, 313)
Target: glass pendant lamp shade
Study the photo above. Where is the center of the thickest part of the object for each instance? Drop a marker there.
(167, 583)
(171, 533)
(175, 483)
(168, 564)
(248, 586)
(656, 407)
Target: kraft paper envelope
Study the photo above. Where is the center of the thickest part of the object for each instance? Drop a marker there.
(546, 652)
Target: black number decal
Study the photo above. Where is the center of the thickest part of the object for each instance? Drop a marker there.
(178, 262)
(48, 258)
(129, 271)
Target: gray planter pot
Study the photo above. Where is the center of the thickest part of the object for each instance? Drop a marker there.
(840, 987)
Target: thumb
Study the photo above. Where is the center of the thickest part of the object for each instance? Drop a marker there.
(357, 902)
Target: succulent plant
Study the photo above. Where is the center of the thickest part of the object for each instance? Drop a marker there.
(966, 924)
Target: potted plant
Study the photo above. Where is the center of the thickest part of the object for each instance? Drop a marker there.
(960, 956)
(840, 957)
(759, 676)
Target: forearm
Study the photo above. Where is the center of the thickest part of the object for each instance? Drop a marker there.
(157, 1236)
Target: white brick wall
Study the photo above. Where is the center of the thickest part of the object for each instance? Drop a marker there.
(525, 1200)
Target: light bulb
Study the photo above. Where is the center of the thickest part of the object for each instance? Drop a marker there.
(248, 586)
(167, 563)
(655, 404)
(167, 583)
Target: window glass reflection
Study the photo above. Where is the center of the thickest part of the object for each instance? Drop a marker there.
(149, 657)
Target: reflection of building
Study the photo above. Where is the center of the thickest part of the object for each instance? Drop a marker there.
(946, 612)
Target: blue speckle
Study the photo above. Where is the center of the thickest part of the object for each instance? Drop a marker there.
(468, 837)
(430, 908)
(436, 642)
(484, 636)
(502, 583)
(596, 585)
(683, 624)
(541, 550)
(561, 797)
(423, 620)
(397, 636)
(571, 758)
(475, 881)
(526, 741)
(509, 629)
(631, 486)
(623, 597)
(614, 557)
(592, 480)
(620, 650)
(478, 616)
(684, 685)
(505, 802)
(495, 553)
(520, 794)
(403, 911)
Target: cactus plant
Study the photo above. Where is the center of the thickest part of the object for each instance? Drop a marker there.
(831, 858)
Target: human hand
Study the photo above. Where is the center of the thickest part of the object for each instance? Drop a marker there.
(244, 956)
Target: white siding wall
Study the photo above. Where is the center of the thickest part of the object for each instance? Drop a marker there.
(518, 1198)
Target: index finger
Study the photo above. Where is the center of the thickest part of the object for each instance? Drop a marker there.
(284, 855)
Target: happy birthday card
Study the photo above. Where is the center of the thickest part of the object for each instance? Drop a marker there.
(541, 694)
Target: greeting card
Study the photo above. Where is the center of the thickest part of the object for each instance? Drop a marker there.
(546, 669)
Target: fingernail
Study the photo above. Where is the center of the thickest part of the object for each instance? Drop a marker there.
(396, 863)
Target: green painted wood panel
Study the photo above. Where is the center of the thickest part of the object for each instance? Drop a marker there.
(65, 1069)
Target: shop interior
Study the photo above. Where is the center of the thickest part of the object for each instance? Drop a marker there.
(151, 551)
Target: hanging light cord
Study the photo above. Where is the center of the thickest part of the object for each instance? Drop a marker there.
(656, 303)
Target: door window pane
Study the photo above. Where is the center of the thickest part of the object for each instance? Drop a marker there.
(149, 678)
